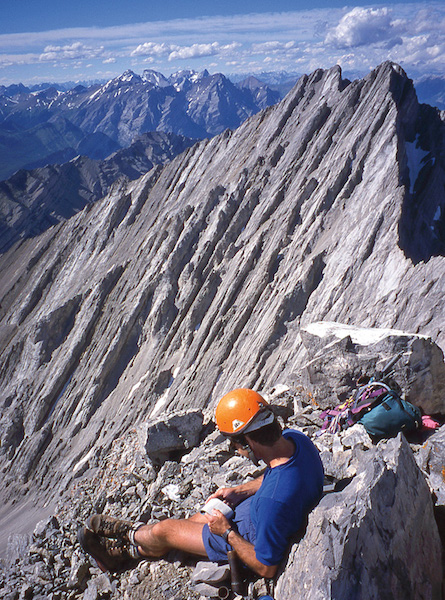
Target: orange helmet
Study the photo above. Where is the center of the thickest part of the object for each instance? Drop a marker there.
(239, 412)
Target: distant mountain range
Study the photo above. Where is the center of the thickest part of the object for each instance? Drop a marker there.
(431, 90)
(33, 200)
(52, 124)
(48, 126)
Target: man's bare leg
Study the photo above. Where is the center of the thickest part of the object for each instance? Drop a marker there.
(157, 539)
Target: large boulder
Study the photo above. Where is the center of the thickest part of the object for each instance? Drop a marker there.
(375, 540)
(164, 436)
(339, 354)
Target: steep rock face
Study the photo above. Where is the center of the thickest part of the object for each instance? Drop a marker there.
(196, 278)
(32, 201)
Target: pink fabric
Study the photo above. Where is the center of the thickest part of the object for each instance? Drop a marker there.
(429, 423)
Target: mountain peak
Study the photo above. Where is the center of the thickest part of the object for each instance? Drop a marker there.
(128, 76)
(239, 241)
(155, 78)
(204, 274)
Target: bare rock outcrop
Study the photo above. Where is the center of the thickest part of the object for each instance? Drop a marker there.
(375, 537)
(164, 436)
(369, 540)
(338, 355)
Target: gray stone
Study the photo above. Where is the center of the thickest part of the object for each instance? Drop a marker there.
(17, 547)
(99, 587)
(46, 527)
(26, 592)
(210, 572)
(207, 590)
(431, 459)
(375, 539)
(42, 572)
(170, 433)
(78, 572)
(356, 437)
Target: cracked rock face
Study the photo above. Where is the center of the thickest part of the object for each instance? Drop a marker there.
(197, 277)
(374, 529)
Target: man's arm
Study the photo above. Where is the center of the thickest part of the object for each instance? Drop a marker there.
(218, 524)
(246, 552)
(235, 495)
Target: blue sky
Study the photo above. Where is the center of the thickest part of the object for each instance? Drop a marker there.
(56, 40)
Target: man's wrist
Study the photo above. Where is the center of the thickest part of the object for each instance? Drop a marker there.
(226, 534)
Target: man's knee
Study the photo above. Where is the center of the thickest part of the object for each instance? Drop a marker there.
(160, 530)
(153, 539)
(198, 518)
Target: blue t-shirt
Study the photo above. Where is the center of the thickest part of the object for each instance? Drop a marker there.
(286, 496)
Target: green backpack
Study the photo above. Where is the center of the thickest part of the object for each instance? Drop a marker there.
(387, 414)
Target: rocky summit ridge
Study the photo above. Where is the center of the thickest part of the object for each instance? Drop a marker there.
(201, 275)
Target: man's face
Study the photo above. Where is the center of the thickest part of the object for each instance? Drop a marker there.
(239, 449)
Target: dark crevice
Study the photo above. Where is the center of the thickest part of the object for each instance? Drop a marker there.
(422, 223)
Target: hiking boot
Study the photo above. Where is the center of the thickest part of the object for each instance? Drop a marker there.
(110, 555)
(110, 527)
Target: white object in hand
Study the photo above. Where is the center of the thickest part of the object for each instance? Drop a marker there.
(219, 505)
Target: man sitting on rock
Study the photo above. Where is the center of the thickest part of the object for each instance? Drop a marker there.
(268, 511)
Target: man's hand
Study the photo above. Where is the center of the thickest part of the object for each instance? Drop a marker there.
(217, 522)
(234, 495)
(228, 495)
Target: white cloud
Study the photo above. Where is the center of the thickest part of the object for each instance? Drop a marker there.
(7, 60)
(153, 49)
(361, 26)
(74, 51)
(410, 33)
(423, 49)
(174, 52)
(195, 51)
(273, 46)
(202, 50)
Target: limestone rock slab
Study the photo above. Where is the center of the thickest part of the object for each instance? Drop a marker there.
(170, 433)
(376, 539)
